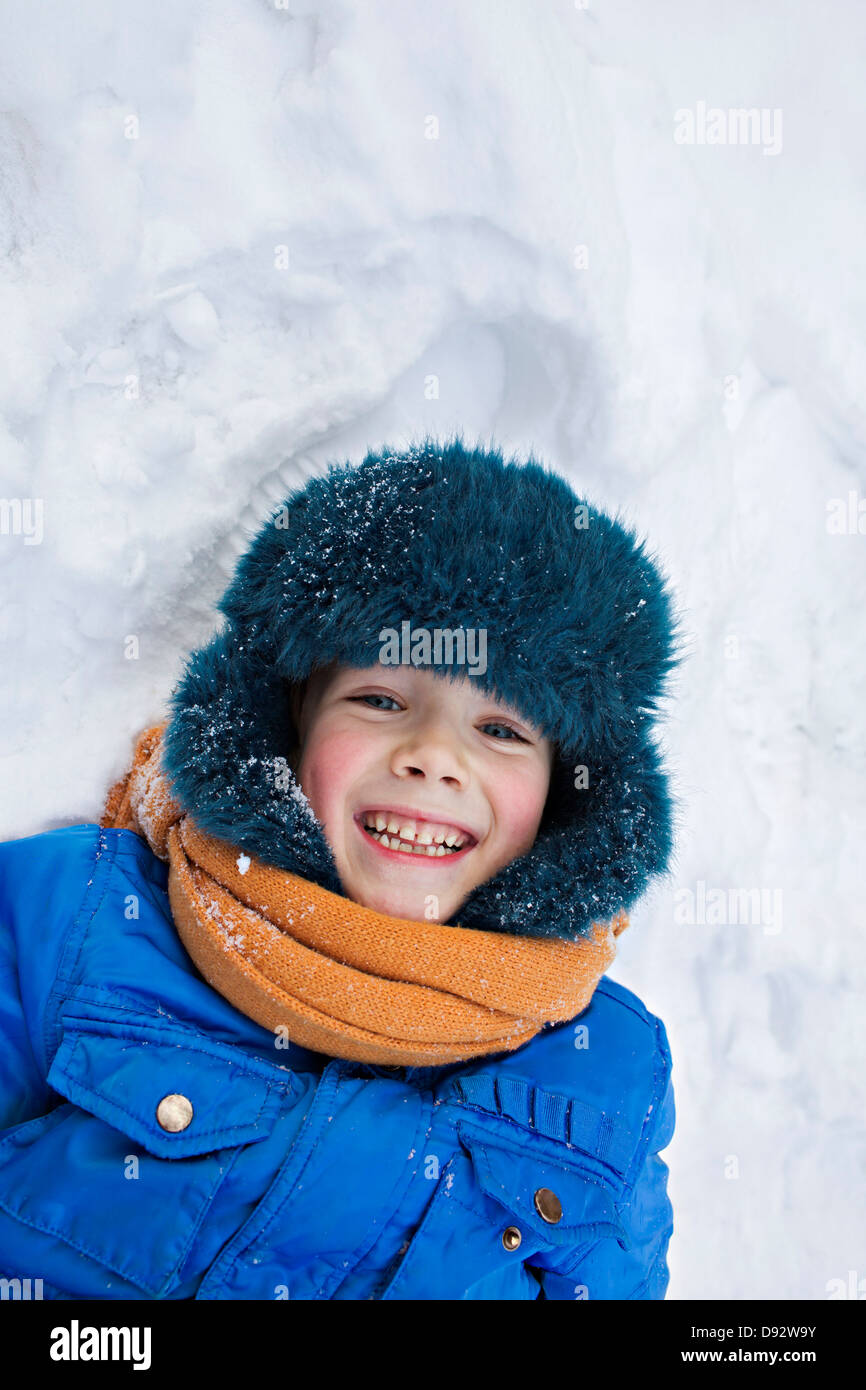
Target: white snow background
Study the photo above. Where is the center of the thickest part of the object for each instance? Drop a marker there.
(698, 365)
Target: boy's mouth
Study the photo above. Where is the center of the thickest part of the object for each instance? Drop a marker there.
(413, 836)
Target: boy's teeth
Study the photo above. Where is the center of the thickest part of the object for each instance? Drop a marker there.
(414, 838)
(431, 850)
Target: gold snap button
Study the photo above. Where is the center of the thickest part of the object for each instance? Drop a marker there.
(548, 1205)
(511, 1237)
(174, 1113)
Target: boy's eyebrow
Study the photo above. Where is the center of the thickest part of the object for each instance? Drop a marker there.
(505, 708)
(508, 713)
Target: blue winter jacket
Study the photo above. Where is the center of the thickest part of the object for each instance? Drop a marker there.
(531, 1174)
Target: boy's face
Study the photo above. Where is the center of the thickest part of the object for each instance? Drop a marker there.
(426, 758)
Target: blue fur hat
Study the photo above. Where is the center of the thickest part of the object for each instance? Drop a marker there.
(580, 639)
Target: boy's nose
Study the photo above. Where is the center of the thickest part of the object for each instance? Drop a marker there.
(432, 752)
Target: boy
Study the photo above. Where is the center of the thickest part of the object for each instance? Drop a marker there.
(330, 942)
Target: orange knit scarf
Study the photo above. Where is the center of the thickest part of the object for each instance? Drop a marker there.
(340, 978)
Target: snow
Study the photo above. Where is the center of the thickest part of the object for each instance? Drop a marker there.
(239, 241)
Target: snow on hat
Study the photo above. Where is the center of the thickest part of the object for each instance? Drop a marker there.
(578, 635)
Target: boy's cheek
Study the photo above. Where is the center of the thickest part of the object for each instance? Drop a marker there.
(518, 810)
(330, 763)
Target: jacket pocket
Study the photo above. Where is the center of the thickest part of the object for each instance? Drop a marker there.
(501, 1202)
(125, 1080)
(121, 1176)
(550, 1204)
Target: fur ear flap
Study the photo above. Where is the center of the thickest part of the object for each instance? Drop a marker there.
(228, 751)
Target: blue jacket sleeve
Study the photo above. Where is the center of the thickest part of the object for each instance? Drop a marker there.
(601, 1269)
(40, 887)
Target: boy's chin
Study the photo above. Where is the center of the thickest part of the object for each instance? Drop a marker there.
(410, 906)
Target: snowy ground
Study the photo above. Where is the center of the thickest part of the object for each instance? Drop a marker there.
(239, 240)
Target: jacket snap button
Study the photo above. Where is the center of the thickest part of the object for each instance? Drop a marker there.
(174, 1113)
(511, 1237)
(548, 1205)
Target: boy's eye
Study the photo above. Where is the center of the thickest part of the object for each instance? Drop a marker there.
(512, 733)
(375, 697)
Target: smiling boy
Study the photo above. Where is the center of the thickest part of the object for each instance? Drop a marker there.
(329, 975)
